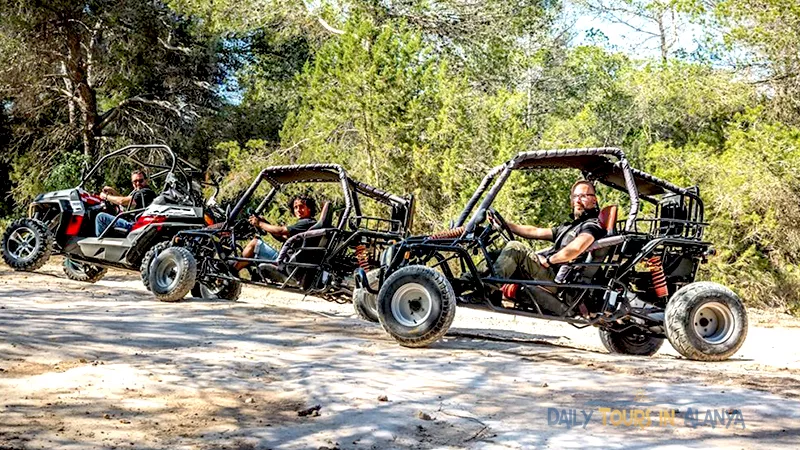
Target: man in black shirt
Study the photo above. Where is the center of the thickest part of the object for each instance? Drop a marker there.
(303, 207)
(570, 239)
(140, 197)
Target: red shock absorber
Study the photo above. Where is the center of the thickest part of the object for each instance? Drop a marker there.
(659, 279)
(448, 234)
(362, 257)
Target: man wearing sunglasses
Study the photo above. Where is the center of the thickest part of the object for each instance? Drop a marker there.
(140, 197)
(570, 239)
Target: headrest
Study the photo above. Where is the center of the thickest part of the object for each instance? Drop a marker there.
(608, 217)
(325, 217)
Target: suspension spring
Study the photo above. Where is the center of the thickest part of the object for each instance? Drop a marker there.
(362, 257)
(657, 273)
(448, 234)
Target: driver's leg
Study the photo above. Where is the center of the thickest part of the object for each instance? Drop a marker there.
(516, 255)
(248, 252)
(102, 222)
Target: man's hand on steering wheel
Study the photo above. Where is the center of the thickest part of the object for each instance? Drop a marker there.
(255, 221)
(499, 224)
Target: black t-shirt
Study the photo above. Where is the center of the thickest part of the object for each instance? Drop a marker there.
(568, 231)
(141, 198)
(301, 226)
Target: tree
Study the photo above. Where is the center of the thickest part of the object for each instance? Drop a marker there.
(117, 68)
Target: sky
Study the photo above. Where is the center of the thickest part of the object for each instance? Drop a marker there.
(624, 38)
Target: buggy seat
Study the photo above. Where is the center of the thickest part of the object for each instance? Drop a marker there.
(598, 249)
(307, 247)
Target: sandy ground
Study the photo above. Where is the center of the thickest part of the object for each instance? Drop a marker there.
(105, 366)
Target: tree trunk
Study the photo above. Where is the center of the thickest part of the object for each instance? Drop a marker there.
(662, 37)
(85, 95)
(73, 112)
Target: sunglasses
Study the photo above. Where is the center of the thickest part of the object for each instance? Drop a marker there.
(574, 196)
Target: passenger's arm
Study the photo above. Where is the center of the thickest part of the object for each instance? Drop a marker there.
(531, 232)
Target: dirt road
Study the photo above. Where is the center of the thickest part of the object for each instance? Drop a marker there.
(105, 366)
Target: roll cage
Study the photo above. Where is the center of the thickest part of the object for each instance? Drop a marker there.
(596, 164)
(280, 176)
(160, 158)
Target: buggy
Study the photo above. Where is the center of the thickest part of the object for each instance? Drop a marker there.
(320, 261)
(636, 284)
(63, 222)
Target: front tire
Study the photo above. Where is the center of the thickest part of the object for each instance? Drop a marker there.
(416, 306)
(87, 273)
(147, 260)
(706, 321)
(629, 342)
(173, 273)
(27, 244)
(366, 303)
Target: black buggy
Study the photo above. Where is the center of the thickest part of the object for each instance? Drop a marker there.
(63, 222)
(637, 284)
(320, 261)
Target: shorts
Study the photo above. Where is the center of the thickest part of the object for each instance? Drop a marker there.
(265, 251)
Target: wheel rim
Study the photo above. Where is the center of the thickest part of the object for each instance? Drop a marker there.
(167, 275)
(22, 244)
(411, 305)
(713, 322)
(75, 267)
(211, 291)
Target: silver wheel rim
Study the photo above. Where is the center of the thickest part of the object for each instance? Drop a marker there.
(210, 292)
(713, 322)
(167, 274)
(75, 267)
(411, 305)
(22, 244)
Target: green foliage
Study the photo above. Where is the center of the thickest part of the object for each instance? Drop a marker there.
(749, 185)
(378, 102)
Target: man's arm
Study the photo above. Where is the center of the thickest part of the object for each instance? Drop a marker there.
(278, 231)
(116, 199)
(531, 232)
(573, 249)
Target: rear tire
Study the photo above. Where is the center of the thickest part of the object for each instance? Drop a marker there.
(173, 273)
(147, 259)
(87, 273)
(366, 303)
(630, 343)
(27, 244)
(227, 290)
(706, 321)
(416, 306)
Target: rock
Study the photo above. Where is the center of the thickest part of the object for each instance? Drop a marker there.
(545, 385)
(249, 400)
(383, 398)
(106, 416)
(313, 411)
(124, 421)
(423, 415)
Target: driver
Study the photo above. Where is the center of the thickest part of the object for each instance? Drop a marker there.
(570, 239)
(140, 197)
(303, 207)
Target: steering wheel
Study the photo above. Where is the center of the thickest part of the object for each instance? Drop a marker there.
(499, 224)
